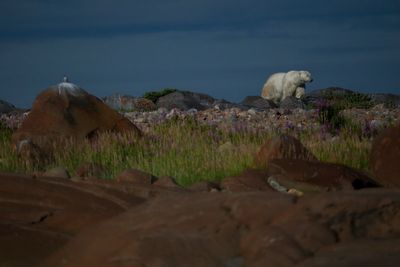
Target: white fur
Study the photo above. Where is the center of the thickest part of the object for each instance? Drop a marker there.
(281, 85)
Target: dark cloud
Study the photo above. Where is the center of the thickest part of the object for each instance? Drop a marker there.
(226, 48)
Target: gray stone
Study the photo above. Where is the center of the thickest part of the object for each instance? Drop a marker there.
(292, 102)
(258, 102)
(185, 100)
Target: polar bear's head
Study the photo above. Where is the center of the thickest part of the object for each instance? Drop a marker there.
(299, 78)
(305, 76)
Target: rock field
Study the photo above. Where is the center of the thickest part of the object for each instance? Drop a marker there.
(293, 210)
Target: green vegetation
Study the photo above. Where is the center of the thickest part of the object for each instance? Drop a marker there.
(186, 150)
(331, 105)
(154, 96)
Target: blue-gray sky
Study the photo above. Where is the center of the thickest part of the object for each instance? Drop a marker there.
(225, 48)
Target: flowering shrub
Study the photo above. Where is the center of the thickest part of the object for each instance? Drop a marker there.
(329, 116)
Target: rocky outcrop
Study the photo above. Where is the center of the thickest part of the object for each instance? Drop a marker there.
(6, 107)
(385, 157)
(67, 111)
(245, 229)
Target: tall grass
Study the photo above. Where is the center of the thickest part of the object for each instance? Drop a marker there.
(185, 150)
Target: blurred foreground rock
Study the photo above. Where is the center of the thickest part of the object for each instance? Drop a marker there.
(40, 214)
(245, 229)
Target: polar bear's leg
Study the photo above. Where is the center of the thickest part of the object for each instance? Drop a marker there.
(289, 89)
(300, 92)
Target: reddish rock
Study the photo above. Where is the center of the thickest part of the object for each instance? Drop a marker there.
(67, 111)
(314, 176)
(90, 169)
(250, 180)
(282, 147)
(136, 176)
(385, 157)
(38, 215)
(245, 229)
(166, 181)
(204, 186)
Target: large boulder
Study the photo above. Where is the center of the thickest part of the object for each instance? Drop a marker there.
(258, 102)
(67, 111)
(281, 147)
(343, 229)
(314, 176)
(385, 157)
(6, 107)
(185, 100)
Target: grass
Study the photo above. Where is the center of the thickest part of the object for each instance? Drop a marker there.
(186, 150)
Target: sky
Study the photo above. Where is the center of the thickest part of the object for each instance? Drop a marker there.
(224, 48)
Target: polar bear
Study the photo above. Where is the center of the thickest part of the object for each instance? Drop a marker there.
(281, 85)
